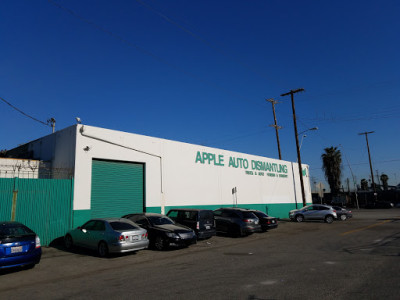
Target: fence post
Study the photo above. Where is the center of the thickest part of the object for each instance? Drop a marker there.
(14, 199)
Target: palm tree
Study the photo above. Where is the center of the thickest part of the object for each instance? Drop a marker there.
(364, 184)
(332, 166)
(384, 179)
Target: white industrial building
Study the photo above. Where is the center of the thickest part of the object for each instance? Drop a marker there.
(116, 173)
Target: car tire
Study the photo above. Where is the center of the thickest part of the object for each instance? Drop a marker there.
(299, 218)
(241, 232)
(343, 217)
(329, 219)
(102, 249)
(68, 242)
(159, 243)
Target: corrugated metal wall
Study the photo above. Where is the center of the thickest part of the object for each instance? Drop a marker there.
(44, 205)
(117, 188)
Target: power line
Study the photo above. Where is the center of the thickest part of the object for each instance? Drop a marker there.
(25, 114)
(203, 40)
(144, 51)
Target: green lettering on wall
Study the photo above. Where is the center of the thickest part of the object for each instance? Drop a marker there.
(198, 157)
(232, 162)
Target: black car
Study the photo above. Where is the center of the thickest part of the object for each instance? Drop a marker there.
(236, 221)
(266, 221)
(200, 220)
(342, 213)
(162, 231)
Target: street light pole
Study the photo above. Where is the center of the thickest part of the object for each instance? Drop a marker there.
(291, 93)
(301, 142)
(304, 135)
(273, 102)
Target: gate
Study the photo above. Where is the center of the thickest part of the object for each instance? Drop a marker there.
(44, 205)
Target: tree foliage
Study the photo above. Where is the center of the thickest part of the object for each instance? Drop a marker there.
(364, 184)
(3, 153)
(332, 166)
(384, 179)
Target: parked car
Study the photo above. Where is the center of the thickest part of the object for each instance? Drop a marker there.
(163, 232)
(19, 246)
(265, 221)
(109, 235)
(236, 221)
(314, 212)
(342, 213)
(200, 220)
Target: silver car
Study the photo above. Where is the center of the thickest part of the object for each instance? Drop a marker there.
(314, 212)
(108, 236)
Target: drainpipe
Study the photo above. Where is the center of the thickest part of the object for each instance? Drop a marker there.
(82, 132)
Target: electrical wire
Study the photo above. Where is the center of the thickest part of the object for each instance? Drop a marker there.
(146, 52)
(25, 114)
(205, 41)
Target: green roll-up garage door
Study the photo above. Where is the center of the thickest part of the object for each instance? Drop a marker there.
(117, 188)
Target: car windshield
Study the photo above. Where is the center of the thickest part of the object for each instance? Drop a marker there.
(248, 215)
(14, 231)
(261, 214)
(306, 207)
(122, 226)
(155, 220)
(207, 215)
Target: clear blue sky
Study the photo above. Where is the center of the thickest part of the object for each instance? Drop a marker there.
(200, 71)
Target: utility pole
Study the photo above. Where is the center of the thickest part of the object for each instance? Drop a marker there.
(291, 93)
(52, 122)
(273, 102)
(370, 164)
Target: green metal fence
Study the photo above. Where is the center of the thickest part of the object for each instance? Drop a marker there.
(44, 205)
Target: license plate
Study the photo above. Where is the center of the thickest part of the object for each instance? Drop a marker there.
(16, 249)
(273, 221)
(208, 227)
(134, 238)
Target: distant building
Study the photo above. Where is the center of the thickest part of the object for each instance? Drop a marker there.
(22, 168)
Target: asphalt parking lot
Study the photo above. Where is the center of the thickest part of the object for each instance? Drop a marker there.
(357, 259)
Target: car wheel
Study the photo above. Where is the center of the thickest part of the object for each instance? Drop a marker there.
(69, 244)
(329, 219)
(159, 243)
(343, 217)
(240, 232)
(299, 218)
(102, 249)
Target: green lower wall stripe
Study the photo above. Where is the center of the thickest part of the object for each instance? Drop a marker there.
(279, 210)
(80, 217)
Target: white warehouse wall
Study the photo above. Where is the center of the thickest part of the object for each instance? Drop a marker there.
(180, 174)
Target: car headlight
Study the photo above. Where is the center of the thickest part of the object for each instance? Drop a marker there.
(172, 235)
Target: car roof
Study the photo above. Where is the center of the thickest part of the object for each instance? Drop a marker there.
(109, 219)
(146, 215)
(234, 208)
(189, 209)
(10, 223)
